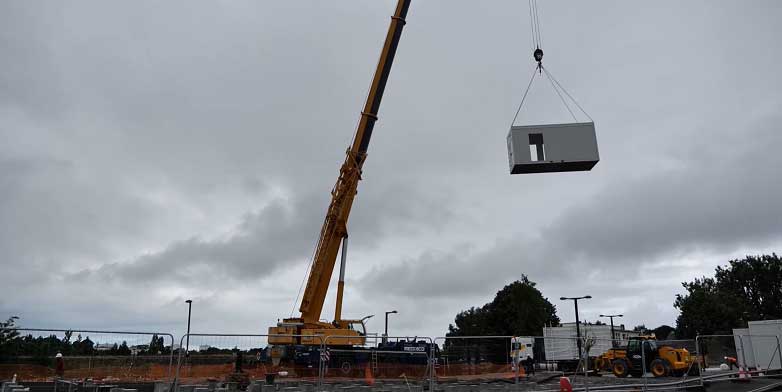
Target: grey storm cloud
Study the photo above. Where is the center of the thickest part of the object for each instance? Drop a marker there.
(723, 198)
(282, 233)
(153, 152)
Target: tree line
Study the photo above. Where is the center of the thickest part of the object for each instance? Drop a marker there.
(14, 344)
(745, 289)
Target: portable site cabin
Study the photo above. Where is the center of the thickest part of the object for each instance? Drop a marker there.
(552, 148)
(762, 343)
(745, 353)
(560, 342)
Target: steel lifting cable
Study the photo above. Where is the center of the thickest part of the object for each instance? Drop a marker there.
(536, 23)
(532, 27)
(532, 79)
(559, 93)
(552, 78)
(538, 56)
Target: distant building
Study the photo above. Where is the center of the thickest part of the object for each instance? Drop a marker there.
(135, 350)
(204, 347)
(104, 346)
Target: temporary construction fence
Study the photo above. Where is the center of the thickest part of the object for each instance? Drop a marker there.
(233, 358)
(456, 363)
(388, 360)
(409, 363)
(739, 355)
(242, 358)
(31, 354)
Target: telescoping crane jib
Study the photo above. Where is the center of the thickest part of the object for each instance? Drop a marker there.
(557, 151)
(306, 329)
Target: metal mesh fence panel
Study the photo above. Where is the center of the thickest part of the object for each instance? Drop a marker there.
(206, 359)
(43, 355)
(388, 363)
(758, 352)
(716, 352)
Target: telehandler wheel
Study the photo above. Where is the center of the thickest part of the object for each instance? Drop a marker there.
(660, 368)
(620, 367)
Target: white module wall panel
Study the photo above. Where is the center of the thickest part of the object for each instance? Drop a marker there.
(552, 148)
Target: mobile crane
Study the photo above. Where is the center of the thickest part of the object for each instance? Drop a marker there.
(306, 332)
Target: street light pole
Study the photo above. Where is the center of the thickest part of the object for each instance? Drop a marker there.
(578, 327)
(385, 335)
(189, 309)
(611, 316)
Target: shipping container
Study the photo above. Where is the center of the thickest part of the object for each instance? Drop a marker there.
(552, 148)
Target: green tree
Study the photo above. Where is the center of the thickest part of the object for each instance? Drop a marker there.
(519, 309)
(745, 289)
(156, 345)
(8, 336)
(663, 332)
(123, 349)
(8, 330)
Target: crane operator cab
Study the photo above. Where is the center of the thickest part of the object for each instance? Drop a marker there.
(352, 325)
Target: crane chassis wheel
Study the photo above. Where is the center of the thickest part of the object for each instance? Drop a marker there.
(346, 367)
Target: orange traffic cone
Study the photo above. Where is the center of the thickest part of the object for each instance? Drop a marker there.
(368, 377)
(744, 375)
(565, 385)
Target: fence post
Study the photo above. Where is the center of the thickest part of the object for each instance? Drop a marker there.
(779, 352)
(178, 363)
(698, 359)
(586, 363)
(170, 356)
(644, 343)
(432, 370)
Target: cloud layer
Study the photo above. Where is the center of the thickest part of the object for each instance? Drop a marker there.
(153, 152)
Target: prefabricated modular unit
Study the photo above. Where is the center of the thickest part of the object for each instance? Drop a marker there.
(745, 353)
(552, 148)
(766, 339)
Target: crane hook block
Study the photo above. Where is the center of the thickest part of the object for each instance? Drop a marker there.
(538, 55)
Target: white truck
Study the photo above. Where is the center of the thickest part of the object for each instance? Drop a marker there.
(561, 347)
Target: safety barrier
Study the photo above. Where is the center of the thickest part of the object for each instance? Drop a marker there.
(739, 356)
(32, 355)
(208, 362)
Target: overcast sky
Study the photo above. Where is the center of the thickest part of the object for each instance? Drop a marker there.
(158, 151)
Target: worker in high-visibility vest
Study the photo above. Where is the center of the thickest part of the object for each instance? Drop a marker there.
(731, 361)
(59, 365)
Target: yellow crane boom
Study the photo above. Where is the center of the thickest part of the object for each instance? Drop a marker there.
(334, 230)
